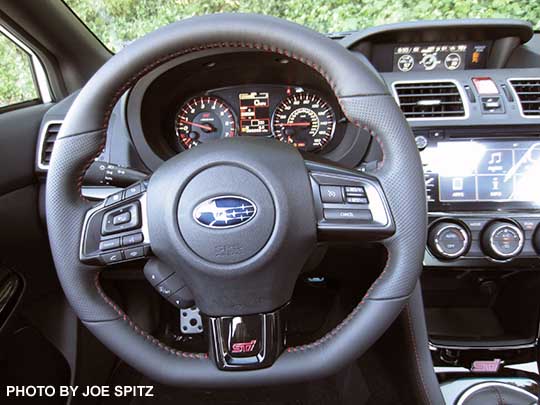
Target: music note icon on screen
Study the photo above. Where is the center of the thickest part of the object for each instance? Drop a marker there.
(496, 158)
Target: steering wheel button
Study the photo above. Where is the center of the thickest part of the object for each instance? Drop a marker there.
(109, 244)
(357, 200)
(352, 215)
(132, 239)
(111, 258)
(114, 198)
(331, 194)
(135, 253)
(133, 190)
(122, 218)
(360, 191)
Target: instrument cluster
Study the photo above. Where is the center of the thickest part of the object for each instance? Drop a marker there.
(291, 114)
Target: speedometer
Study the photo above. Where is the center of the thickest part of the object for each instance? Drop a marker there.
(202, 119)
(305, 121)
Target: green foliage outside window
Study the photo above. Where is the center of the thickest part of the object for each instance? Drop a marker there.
(16, 79)
(118, 22)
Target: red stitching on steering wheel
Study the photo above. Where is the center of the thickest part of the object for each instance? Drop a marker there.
(136, 328)
(128, 84)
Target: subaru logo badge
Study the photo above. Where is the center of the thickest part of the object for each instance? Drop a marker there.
(224, 212)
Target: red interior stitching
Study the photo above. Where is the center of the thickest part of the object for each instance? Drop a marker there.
(338, 328)
(171, 56)
(136, 328)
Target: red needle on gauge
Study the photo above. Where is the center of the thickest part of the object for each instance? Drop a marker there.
(205, 127)
(295, 124)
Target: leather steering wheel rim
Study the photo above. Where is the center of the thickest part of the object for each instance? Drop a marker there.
(365, 101)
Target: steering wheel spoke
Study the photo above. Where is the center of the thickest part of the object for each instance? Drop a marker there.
(349, 204)
(116, 230)
(247, 342)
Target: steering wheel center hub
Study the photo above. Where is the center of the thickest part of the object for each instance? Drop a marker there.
(226, 214)
(235, 219)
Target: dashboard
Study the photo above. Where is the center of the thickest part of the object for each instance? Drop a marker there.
(469, 89)
(291, 114)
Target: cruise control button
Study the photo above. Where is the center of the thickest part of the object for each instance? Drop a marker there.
(355, 190)
(109, 244)
(331, 194)
(134, 253)
(353, 215)
(357, 200)
(111, 258)
(132, 239)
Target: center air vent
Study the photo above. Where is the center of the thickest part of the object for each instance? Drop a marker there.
(47, 139)
(528, 93)
(428, 100)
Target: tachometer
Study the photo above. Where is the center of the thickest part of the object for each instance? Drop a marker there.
(202, 119)
(304, 120)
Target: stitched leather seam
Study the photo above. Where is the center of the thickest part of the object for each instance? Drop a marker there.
(133, 79)
(343, 323)
(144, 334)
(499, 397)
(415, 349)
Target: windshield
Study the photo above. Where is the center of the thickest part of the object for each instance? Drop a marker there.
(118, 22)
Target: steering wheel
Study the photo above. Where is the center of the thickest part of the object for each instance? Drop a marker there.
(234, 221)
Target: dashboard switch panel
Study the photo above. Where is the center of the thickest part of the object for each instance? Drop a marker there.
(331, 194)
(117, 232)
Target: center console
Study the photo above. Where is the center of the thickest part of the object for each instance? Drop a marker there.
(481, 281)
(483, 193)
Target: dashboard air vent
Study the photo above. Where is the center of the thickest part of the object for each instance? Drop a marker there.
(528, 93)
(428, 100)
(48, 138)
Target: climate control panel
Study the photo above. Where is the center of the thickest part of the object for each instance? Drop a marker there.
(457, 239)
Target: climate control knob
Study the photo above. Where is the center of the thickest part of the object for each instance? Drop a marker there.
(502, 240)
(448, 240)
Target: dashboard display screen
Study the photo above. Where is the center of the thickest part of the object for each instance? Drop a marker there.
(254, 113)
(437, 57)
(483, 170)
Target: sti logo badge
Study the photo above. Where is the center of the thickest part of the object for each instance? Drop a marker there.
(243, 347)
(224, 212)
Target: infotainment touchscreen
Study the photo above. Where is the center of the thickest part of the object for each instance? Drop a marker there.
(483, 171)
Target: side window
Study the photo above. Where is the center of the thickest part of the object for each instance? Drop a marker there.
(17, 81)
